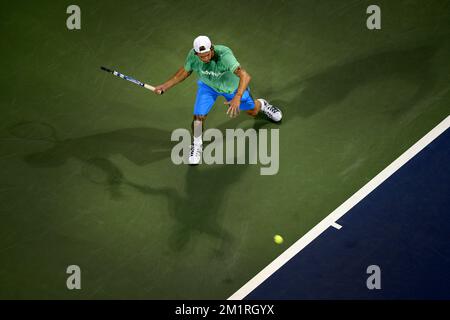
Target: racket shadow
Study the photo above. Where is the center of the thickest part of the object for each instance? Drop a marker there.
(141, 146)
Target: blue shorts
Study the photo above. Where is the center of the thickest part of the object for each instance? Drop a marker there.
(206, 97)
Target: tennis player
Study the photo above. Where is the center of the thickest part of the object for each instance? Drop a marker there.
(220, 75)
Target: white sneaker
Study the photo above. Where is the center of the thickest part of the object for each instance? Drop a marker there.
(195, 155)
(270, 111)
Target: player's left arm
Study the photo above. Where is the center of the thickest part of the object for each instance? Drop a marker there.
(244, 80)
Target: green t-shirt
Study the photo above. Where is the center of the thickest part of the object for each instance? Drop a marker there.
(219, 72)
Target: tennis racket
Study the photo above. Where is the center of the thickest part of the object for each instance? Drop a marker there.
(125, 77)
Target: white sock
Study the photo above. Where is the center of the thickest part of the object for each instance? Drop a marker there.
(263, 104)
(198, 141)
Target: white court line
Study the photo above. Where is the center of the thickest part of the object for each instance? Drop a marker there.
(336, 225)
(340, 211)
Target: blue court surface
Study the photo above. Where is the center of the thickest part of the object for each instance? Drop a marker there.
(402, 226)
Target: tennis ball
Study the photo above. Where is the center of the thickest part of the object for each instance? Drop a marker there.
(278, 239)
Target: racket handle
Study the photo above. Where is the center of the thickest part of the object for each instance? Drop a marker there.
(149, 87)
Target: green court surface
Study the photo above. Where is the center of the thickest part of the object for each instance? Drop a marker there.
(100, 191)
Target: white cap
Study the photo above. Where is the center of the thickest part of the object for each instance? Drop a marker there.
(202, 44)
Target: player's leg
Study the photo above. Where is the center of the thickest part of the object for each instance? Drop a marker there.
(204, 101)
(197, 126)
(253, 112)
(254, 106)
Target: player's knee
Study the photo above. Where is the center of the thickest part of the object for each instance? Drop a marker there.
(257, 106)
(253, 112)
(199, 118)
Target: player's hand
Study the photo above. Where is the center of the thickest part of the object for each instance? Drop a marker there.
(233, 106)
(160, 89)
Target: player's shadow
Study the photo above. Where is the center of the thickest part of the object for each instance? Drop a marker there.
(198, 210)
(201, 212)
(142, 145)
(313, 94)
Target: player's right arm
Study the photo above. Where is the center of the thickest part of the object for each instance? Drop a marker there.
(179, 76)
